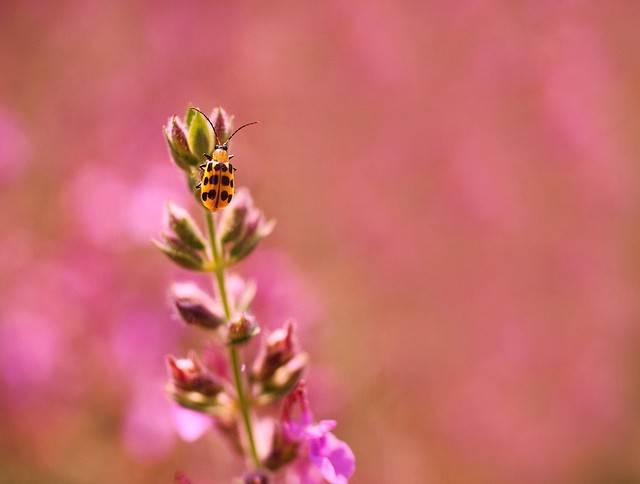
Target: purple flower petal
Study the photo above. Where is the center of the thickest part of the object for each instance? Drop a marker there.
(333, 457)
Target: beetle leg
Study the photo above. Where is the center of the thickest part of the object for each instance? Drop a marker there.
(208, 157)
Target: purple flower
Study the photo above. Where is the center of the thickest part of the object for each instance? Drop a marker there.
(331, 456)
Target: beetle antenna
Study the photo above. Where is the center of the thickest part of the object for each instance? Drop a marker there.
(243, 126)
(212, 126)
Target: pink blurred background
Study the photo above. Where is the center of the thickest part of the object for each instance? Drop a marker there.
(456, 189)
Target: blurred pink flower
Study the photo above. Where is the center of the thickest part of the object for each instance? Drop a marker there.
(31, 348)
(41, 313)
(189, 424)
(15, 148)
(115, 212)
(282, 292)
(332, 457)
(139, 340)
(147, 430)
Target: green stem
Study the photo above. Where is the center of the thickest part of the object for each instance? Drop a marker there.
(218, 270)
(233, 351)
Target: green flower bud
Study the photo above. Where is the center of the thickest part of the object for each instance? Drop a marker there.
(179, 252)
(182, 241)
(185, 228)
(232, 219)
(256, 229)
(243, 226)
(200, 135)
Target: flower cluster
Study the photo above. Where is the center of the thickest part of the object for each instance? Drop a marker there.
(261, 406)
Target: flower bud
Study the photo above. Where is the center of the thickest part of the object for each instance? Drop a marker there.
(279, 365)
(180, 223)
(240, 292)
(200, 135)
(256, 229)
(256, 477)
(223, 123)
(179, 145)
(190, 384)
(283, 379)
(191, 375)
(279, 347)
(179, 252)
(242, 330)
(233, 218)
(195, 307)
(179, 136)
(182, 241)
(243, 226)
(282, 451)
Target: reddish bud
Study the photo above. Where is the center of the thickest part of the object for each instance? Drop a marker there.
(189, 375)
(242, 330)
(223, 123)
(278, 349)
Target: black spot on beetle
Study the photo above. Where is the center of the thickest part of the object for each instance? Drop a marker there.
(230, 197)
(231, 168)
(223, 196)
(231, 183)
(223, 168)
(212, 194)
(204, 196)
(206, 180)
(225, 180)
(208, 167)
(214, 179)
(217, 167)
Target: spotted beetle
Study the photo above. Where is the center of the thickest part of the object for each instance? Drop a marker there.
(216, 184)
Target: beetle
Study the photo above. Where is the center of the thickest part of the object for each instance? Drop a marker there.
(216, 185)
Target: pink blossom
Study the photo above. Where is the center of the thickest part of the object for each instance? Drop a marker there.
(331, 456)
(189, 424)
(15, 148)
(146, 430)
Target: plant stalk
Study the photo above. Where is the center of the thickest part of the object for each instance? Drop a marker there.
(234, 356)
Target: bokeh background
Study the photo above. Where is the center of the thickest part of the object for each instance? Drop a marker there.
(456, 189)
